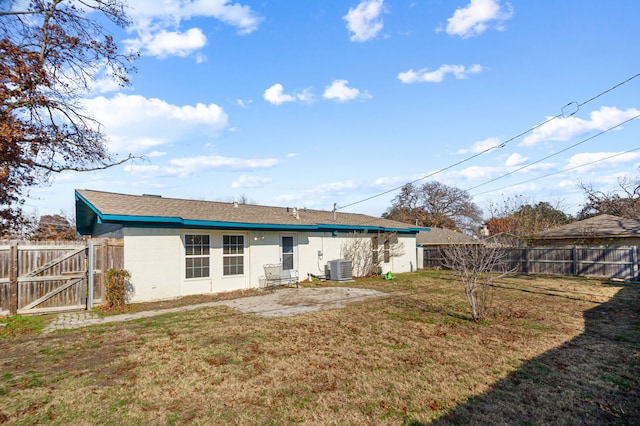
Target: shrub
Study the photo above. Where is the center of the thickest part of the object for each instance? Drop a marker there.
(116, 287)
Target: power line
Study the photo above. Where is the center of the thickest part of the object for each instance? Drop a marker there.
(500, 145)
(554, 154)
(561, 171)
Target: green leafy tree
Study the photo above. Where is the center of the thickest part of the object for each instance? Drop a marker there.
(518, 219)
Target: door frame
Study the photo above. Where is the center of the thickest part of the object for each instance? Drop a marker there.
(294, 246)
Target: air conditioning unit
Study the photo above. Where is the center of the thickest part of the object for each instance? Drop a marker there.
(340, 270)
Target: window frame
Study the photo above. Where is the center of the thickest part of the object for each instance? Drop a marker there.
(197, 256)
(233, 255)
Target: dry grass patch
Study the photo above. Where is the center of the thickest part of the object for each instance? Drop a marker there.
(552, 351)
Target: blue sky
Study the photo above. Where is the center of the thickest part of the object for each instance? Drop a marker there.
(310, 103)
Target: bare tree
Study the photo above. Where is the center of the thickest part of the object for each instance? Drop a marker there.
(477, 266)
(50, 53)
(437, 205)
(623, 202)
(367, 253)
(55, 227)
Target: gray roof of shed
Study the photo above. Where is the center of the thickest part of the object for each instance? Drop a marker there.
(115, 207)
(598, 226)
(442, 236)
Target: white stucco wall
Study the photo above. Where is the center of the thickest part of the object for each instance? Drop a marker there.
(152, 256)
(156, 259)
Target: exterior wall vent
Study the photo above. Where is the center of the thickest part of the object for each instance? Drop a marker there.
(340, 270)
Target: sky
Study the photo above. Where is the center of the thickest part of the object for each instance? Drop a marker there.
(317, 104)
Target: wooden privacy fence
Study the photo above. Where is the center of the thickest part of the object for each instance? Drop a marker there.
(609, 262)
(45, 277)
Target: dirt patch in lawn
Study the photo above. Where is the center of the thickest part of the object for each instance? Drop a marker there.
(553, 351)
(296, 301)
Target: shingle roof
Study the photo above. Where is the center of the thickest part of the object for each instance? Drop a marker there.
(112, 207)
(441, 236)
(598, 226)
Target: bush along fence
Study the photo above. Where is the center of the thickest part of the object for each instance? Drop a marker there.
(44, 277)
(607, 262)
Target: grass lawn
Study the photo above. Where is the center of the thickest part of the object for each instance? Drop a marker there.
(553, 351)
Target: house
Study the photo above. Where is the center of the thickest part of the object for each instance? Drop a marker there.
(602, 230)
(429, 243)
(437, 237)
(175, 247)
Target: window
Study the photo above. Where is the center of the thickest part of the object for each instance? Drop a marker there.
(374, 250)
(196, 248)
(386, 249)
(232, 254)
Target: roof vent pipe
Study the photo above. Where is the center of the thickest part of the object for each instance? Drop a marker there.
(235, 204)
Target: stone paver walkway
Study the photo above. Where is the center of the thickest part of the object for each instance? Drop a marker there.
(284, 302)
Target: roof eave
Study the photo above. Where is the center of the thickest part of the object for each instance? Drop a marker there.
(88, 216)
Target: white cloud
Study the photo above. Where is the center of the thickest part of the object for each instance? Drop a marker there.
(104, 83)
(564, 129)
(134, 124)
(437, 76)
(220, 162)
(158, 30)
(244, 104)
(364, 21)
(148, 14)
(174, 43)
(478, 172)
(156, 154)
(275, 95)
(245, 181)
(184, 167)
(336, 186)
(148, 171)
(600, 160)
(515, 159)
(476, 17)
(481, 146)
(341, 92)
(391, 182)
(305, 96)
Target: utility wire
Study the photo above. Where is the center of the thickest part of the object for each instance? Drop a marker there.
(554, 154)
(500, 145)
(561, 171)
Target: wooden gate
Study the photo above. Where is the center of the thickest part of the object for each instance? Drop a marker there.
(47, 277)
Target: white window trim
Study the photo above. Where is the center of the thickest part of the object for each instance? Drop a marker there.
(243, 255)
(187, 256)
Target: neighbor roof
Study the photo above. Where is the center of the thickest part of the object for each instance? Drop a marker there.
(442, 236)
(97, 207)
(604, 225)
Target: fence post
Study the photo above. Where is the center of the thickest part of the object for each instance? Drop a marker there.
(574, 258)
(634, 263)
(13, 278)
(90, 269)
